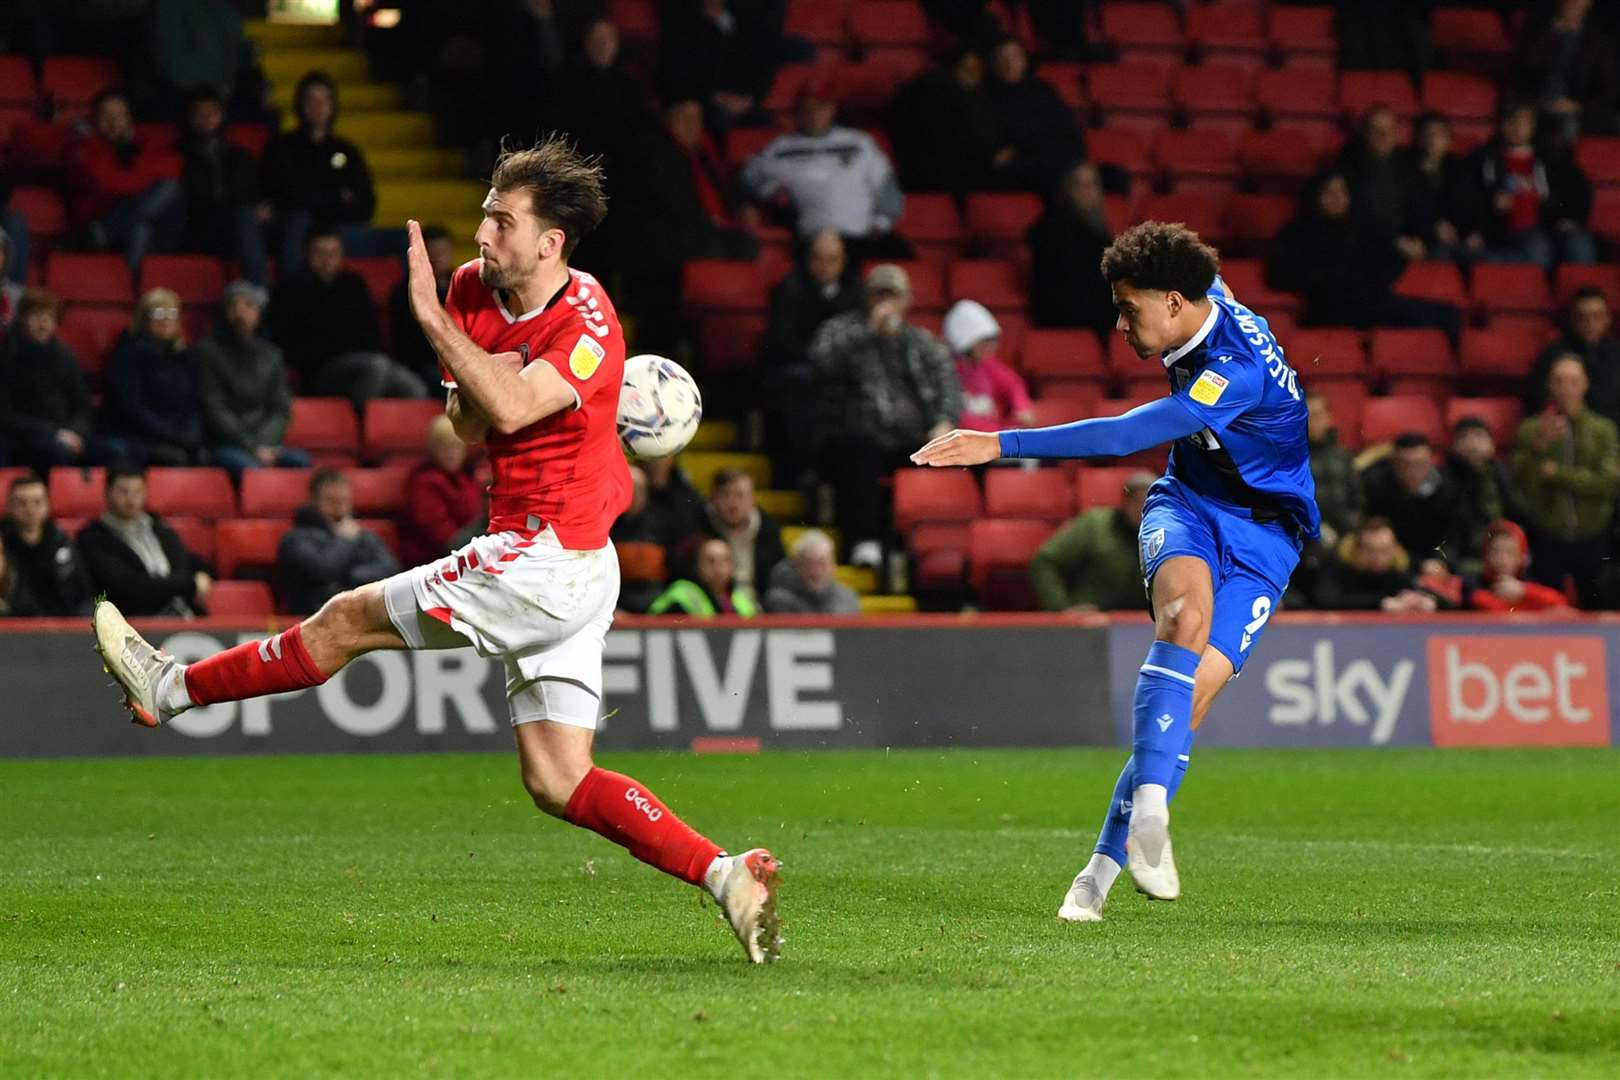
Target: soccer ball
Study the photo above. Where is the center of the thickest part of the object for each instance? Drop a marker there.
(659, 407)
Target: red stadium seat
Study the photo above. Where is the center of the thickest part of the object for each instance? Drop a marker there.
(1201, 213)
(1102, 485)
(241, 600)
(1507, 287)
(1040, 494)
(1142, 30)
(1226, 28)
(386, 529)
(1124, 149)
(996, 220)
(201, 492)
(1297, 93)
(1302, 30)
(72, 81)
(1599, 158)
(42, 208)
(1214, 88)
(198, 279)
(196, 534)
(1411, 352)
(1326, 353)
(867, 86)
(934, 495)
(1459, 96)
(249, 136)
(1197, 155)
(637, 20)
(991, 282)
(77, 492)
(248, 544)
(1361, 90)
(822, 21)
(1067, 402)
(1382, 419)
(999, 553)
(927, 283)
(10, 474)
(1253, 221)
(1247, 280)
(378, 492)
(1279, 160)
(730, 341)
(381, 272)
(1437, 281)
(90, 279)
(1572, 277)
(398, 427)
(1068, 353)
(932, 225)
(1066, 78)
(1346, 400)
(38, 144)
(888, 22)
(744, 143)
(1501, 414)
(1129, 88)
(1463, 32)
(91, 332)
(1498, 353)
(274, 492)
(324, 425)
(1605, 219)
(723, 285)
(17, 85)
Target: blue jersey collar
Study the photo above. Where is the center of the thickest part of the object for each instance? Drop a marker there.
(1197, 339)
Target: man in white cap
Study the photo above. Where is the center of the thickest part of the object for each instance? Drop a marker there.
(993, 395)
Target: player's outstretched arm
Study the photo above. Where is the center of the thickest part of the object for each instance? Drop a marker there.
(1145, 426)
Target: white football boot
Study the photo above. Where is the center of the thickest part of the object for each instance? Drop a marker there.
(131, 659)
(747, 895)
(1147, 852)
(1084, 900)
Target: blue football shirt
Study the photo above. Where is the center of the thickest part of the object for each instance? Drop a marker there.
(1251, 457)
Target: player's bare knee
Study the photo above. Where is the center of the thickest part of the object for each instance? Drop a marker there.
(335, 631)
(1183, 621)
(550, 788)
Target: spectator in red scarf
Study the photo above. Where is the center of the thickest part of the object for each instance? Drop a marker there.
(442, 496)
(1529, 203)
(1506, 553)
(993, 395)
(123, 194)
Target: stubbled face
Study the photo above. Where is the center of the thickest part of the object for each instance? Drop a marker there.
(1413, 464)
(334, 502)
(1375, 551)
(29, 506)
(1566, 385)
(1502, 557)
(1146, 317)
(126, 497)
(714, 566)
(1590, 319)
(512, 240)
(734, 503)
(816, 566)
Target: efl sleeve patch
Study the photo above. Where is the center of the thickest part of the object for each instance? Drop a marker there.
(586, 357)
(1207, 388)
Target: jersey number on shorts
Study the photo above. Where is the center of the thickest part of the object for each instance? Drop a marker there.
(1261, 612)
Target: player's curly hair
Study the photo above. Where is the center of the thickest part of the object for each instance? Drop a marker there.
(1164, 256)
(566, 186)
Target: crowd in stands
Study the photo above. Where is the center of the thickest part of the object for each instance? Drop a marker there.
(911, 201)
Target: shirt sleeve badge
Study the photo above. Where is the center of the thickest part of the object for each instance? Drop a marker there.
(586, 357)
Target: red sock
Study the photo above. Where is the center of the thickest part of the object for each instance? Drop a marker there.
(625, 812)
(253, 669)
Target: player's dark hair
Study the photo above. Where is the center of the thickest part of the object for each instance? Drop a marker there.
(1469, 423)
(323, 478)
(25, 480)
(123, 471)
(565, 185)
(430, 233)
(725, 478)
(1409, 440)
(1163, 256)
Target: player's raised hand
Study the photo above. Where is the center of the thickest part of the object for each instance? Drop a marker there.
(424, 290)
(960, 448)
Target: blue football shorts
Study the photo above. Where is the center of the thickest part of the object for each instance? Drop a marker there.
(1249, 562)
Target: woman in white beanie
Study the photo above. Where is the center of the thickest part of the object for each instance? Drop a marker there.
(993, 394)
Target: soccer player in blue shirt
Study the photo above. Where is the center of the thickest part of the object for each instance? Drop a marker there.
(1221, 531)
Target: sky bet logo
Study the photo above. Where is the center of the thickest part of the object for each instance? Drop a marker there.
(1501, 690)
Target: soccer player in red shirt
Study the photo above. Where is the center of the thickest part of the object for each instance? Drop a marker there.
(533, 358)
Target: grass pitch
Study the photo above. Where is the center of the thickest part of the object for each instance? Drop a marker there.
(1345, 913)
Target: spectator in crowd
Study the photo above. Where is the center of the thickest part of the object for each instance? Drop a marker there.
(1484, 486)
(721, 55)
(221, 185)
(1346, 273)
(820, 285)
(44, 402)
(323, 319)
(123, 194)
(1372, 573)
(1568, 465)
(242, 384)
(11, 289)
(806, 582)
(709, 591)
(1527, 204)
(1588, 334)
(993, 394)
(1419, 502)
(673, 502)
(411, 346)
(1370, 166)
(1501, 585)
(138, 561)
(1092, 563)
(1339, 493)
(1433, 186)
(755, 538)
(1037, 140)
(887, 387)
(42, 556)
(190, 43)
(16, 602)
(1567, 63)
(1065, 247)
(643, 574)
(604, 105)
(831, 177)
(943, 131)
(152, 391)
(442, 496)
(326, 550)
(312, 176)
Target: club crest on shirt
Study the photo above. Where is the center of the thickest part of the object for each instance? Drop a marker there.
(1152, 544)
(586, 357)
(1208, 388)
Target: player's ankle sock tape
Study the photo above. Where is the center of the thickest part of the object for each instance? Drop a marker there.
(1111, 840)
(624, 811)
(1161, 714)
(253, 669)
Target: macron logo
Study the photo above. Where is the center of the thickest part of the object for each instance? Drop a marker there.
(643, 804)
(1164, 722)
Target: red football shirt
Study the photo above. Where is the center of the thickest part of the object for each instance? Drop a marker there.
(565, 470)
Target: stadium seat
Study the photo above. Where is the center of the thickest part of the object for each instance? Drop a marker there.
(1510, 287)
(72, 81)
(1129, 89)
(888, 22)
(641, 562)
(1599, 158)
(1498, 353)
(1123, 149)
(1247, 280)
(1254, 220)
(1284, 94)
(38, 145)
(249, 135)
(17, 84)
(1066, 402)
(196, 534)
(1501, 414)
(1326, 353)
(198, 279)
(997, 222)
(270, 493)
(241, 600)
(730, 341)
(1101, 485)
(1571, 277)
(927, 284)
(999, 552)
(790, 81)
(992, 282)
(934, 495)
(1346, 399)
(199, 492)
(378, 492)
(1040, 494)
(42, 208)
(1458, 33)
(932, 225)
(91, 332)
(1279, 161)
(821, 21)
(1226, 30)
(1302, 34)
(1066, 78)
(90, 279)
(77, 492)
(381, 273)
(1382, 419)
(866, 87)
(1459, 96)
(387, 531)
(1605, 219)
(1143, 32)
(1201, 213)
(1197, 162)
(1404, 353)
(637, 20)
(248, 544)
(1438, 281)
(723, 285)
(1214, 89)
(326, 427)
(397, 427)
(1361, 90)
(1068, 353)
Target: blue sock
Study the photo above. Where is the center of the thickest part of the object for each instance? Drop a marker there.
(1161, 716)
(1111, 840)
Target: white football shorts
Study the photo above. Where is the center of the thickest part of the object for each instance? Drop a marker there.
(541, 608)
